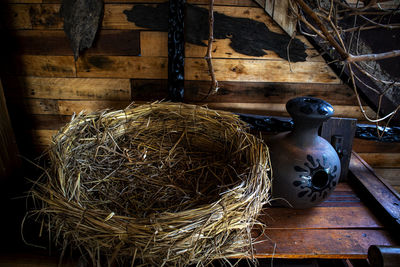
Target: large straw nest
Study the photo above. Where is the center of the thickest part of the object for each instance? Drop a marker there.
(165, 183)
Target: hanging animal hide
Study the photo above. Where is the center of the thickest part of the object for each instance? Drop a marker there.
(81, 22)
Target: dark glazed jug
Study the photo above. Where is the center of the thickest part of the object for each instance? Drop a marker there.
(306, 168)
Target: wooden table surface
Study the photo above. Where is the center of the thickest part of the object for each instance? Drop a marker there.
(342, 227)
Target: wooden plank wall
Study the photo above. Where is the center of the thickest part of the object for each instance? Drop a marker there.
(44, 85)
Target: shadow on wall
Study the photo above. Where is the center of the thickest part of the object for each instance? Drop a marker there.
(248, 37)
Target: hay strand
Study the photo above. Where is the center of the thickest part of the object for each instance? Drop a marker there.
(166, 183)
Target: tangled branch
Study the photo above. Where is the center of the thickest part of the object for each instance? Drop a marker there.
(208, 57)
(327, 21)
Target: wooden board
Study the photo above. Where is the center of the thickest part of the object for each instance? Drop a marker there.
(367, 146)
(54, 106)
(378, 192)
(261, 70)
(69, 107)
(45, 16)
(320, 243)
(39, 122)
(46, 42)
(122, 67)
(154, 43)
(196, 69)
(16, 16)
(249, 92)
(382, 159)
(320, 218)
(45, 66)
(281, 12)
(272, 109)
(392, 176)
(41, 137)
(68, 88)
(115, 19)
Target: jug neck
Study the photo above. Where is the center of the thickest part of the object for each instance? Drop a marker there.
(305, 132)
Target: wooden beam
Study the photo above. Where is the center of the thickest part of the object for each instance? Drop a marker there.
(381, 197)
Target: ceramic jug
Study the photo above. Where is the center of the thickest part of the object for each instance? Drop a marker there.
(306, 168)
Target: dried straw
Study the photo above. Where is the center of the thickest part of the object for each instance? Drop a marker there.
(166, 183)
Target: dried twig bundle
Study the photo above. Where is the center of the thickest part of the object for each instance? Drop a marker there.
(167, 183)
(345, 30)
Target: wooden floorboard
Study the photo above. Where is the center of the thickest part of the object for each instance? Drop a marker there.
(341, 227)
(320, 218)
(320, 243)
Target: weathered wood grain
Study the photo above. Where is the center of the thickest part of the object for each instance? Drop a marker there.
(54, 42)
(379, 194)
(122, 67)
(114, 18)
(260, 2)
(272, 109)
(382, 159)
(280, 12)
(320, 218)
(196, 69)
(368, 146)
(16, 16)
(38, 106)
(261, 70)
(39, 122)
(42, 137)
(68, 88)
(392, 176)
(46, 16)
(33, 106)
(69, 107)
(44, 66)
(154, 43)
(248, 92)
(320, 243)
